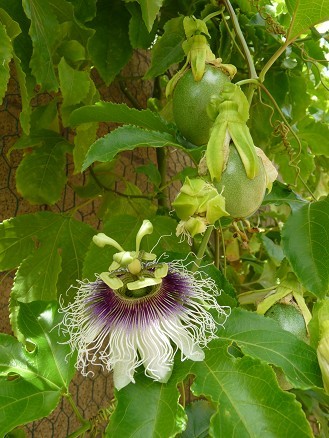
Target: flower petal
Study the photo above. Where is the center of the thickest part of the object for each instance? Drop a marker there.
(122, 357)
(183, 339)
(156, 352)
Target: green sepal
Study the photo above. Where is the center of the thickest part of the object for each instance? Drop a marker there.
(113, 282)
(245, 146)
(161, 270)
(217, 150)
(143, 282)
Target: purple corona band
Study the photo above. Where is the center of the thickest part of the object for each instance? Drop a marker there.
(109, 307)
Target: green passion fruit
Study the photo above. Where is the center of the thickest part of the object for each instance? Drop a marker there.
(289, 318)
(243, 196)
(190, 101)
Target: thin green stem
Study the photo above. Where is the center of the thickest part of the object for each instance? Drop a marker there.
(84, 428)
(248, 57)
(212, 15)
(75, 409)
(232, 36)
(217, 250)
(162, 167)
(272, 60)
(202, 248)
(250, 62)
(224, 250)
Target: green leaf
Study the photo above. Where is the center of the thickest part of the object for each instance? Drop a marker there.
(5, 57)
(316, 135)
(86, 134)
(74, 84)
(250, 401)
(37, 276)
(25, 235)
(43, 119)
(26, 83)
(305, 239)
(152, 172)
(32, 382)
(119, 113)
(109, 47)
(139, 207)
(150, 9)
(84, 10)
(305, 14)
(198, 413)
(159, 415)
(281, 194)
(140, 37)
(126, 138)
(168, 48)
(41, 175)
(44, 31)
(262, 338)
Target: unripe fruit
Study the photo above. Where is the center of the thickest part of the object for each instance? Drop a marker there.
(289, 318)
(190, 101)
(243, 196)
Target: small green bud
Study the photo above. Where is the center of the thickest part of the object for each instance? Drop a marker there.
(195, 225)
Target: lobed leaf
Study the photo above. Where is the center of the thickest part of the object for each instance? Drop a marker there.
(159, 415)
(261, 338)
(305, 14)
(250, 402)
(32, 382)
(25, 235)
(305, 239)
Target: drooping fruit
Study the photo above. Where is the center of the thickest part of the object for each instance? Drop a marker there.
(289, 318)
(190, 101)
(243, 196)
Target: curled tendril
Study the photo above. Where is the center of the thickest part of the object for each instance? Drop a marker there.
(282, 130)
(272, 26)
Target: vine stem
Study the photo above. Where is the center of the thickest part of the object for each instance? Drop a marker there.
(162, 167)
(251, 66)
(272, 60)
(84, 428)
(202, 248)
(75, 409)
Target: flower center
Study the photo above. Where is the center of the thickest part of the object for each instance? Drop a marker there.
(143, 291)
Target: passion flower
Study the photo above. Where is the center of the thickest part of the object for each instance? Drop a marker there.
(140, 313)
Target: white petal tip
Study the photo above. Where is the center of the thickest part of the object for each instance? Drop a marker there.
(120, 377)
(196, 356)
